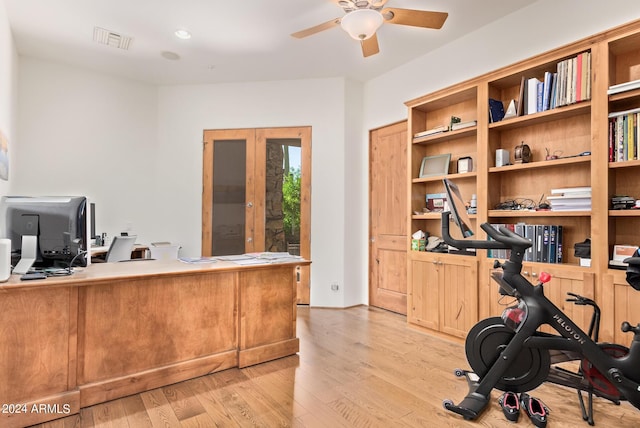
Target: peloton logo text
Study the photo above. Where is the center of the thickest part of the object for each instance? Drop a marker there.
(574, 334)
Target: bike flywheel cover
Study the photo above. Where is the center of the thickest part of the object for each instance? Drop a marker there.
(484, 343)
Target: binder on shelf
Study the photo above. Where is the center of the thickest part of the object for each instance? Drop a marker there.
(545, 244)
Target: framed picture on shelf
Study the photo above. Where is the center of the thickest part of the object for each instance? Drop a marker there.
(435, 165)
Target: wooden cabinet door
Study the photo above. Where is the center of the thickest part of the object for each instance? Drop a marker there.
(387, 219)
(424, 296)
(620, 302)
(459, 294)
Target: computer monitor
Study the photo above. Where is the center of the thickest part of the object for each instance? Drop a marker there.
(458, 208)
(59, 223)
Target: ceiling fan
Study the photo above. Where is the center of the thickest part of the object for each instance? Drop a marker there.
(364, 17)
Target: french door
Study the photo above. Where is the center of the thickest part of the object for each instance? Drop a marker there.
(257, 194)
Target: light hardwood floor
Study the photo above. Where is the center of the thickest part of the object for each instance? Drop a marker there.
(357, 367)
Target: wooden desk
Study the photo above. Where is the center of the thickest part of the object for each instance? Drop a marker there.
(115, 329)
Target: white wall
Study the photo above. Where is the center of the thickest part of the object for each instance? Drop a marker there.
(83, 133)
(8, 89)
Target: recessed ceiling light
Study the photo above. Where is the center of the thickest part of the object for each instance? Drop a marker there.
(183, 34)
(170, 55)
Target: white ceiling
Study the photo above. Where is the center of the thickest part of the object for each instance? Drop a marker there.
(233, 41)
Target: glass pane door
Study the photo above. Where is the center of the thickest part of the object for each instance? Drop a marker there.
(282, 195)
(229, 193)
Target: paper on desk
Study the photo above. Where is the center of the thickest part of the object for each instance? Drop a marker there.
(197, 260)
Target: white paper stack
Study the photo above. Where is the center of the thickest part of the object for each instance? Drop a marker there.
(570, 199)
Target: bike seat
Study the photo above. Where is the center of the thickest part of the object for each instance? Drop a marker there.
(633, 271)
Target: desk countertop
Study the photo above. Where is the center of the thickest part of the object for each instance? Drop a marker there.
(136, 268)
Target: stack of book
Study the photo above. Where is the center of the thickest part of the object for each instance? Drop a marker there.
(546, 242)
(432, 131)
(570, 199)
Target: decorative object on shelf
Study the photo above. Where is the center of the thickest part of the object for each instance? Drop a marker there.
(522, 154)
(436, 202)
(502, 157)
(473, 205)
(512, 111)
(454, 120)
(465, 164)
(435, 165)
(553, 156)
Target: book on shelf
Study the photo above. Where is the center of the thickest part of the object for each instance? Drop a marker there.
(547, 86)
(623, 135)
(462, 125)
(432, 131)
(623, 87)
(572, 81)
(521, 100)
(532, 96)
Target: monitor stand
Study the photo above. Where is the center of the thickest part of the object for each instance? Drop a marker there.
(29, 254)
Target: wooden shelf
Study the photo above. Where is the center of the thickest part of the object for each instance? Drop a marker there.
(542, 164)
(634, 93)
(446, 136)
(441, 177)
(624, 164)
(624, 213)
(563, 112)
(528, 213)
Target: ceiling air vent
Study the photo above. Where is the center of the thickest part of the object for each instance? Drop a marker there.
(111, 38)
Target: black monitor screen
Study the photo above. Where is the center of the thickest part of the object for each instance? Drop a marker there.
(60, 223)
(458, 208)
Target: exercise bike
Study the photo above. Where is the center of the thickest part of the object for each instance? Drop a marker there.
(510, 354)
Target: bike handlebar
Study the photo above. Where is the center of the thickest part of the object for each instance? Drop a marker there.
(503, 238)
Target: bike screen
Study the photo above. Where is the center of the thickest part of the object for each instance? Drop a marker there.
(458, 208)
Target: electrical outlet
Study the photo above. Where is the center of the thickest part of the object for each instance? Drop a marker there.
(335, 286)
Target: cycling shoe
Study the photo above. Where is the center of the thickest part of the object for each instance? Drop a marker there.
(510, 406)
(535, 409)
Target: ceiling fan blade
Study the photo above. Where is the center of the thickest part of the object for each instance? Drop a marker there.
(370, 46)
(316, 29)
(415, 18)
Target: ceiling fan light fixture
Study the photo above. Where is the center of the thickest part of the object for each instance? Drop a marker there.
(362, 23)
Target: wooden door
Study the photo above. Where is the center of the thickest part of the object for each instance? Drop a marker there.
(257, 194)
(387, 219)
